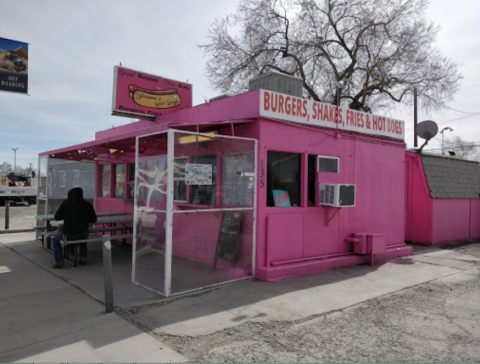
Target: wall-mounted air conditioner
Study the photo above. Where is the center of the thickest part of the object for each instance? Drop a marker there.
(337, 195)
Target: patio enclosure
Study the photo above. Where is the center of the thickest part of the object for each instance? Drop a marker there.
(194, 211)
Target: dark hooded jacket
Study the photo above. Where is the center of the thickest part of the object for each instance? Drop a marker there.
(76, 213)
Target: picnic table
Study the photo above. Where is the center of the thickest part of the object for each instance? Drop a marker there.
(52, 224)
(118, 222)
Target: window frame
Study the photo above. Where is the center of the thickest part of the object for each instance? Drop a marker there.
(303, 168)
(181, 179)
(100, 194)
(113, 190)
(327, 157)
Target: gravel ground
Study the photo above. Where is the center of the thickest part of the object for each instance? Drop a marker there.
(22, 216)
(433, 322)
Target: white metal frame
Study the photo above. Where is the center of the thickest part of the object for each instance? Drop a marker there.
(169, 212)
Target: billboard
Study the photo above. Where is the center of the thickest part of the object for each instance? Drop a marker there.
(139, 94)
(13, 66)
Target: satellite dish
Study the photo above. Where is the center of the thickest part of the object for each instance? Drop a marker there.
(427, 129)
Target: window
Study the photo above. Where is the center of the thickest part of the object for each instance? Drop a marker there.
(63, 179)
(205, 194)
(119, 182)
(179, 186)
(238, 179)
(131, 181)
(312, 173)
(328, 164)
(283, 177)
(76, 178)
(105, 192)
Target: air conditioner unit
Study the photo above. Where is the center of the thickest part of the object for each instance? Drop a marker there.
(337, 195)
(278, 82)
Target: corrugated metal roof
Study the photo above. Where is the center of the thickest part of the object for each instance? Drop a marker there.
(451, 177)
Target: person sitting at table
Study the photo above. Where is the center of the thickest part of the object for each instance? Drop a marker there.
(76, 214)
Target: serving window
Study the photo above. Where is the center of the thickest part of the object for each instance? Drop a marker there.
(105, 180)
(283, 179)
(119, 180)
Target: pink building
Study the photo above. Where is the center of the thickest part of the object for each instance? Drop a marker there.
(297, 192)
(443, 199)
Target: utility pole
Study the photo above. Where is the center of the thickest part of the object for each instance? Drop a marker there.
(415, 141)
(14, 159)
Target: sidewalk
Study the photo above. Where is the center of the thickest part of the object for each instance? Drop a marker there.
(46, 319)
(57, 315)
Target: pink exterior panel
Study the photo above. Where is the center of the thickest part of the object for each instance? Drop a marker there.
(436, 221)
(475, 219)
(289, 238)
(451, 220)
(419, 204)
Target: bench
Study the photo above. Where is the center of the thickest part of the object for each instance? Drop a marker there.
(94, 230)
(91, 239)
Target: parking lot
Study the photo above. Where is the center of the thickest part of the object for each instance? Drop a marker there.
(22, 216)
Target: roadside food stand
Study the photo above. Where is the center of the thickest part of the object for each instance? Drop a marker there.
(261, 184)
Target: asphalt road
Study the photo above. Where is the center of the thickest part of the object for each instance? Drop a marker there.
(21, 216)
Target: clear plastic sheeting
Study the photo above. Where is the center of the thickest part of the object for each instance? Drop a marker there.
(195, 213)
(216, 248)
(57, 177)
(150, 212)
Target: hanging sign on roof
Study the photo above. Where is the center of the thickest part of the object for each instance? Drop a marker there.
(299, 110)
(138, 94)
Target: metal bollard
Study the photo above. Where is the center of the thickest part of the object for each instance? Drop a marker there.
(107, 272)
(7, 214)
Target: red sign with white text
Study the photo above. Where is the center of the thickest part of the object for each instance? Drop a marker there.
(296, 109)
(141, 94)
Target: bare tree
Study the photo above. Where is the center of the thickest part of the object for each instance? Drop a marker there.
(385, 47)
(463, 148)
(5, 168)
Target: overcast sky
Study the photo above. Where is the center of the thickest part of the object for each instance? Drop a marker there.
(74, 45)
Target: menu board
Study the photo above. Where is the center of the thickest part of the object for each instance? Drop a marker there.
(238, 179)
(230, 230)
(198, 174)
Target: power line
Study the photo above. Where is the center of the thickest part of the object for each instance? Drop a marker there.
(463, 112)
(448, 121)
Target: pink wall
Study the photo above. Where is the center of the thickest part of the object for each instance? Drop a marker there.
(377, 169)
(451, 220)
(418, 202)
(436, 221)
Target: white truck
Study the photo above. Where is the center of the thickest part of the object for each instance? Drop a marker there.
(18, 188)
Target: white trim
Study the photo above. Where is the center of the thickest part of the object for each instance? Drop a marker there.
(135, 202)
(327, 157)
(169, 218)
(255, 186)
(114, 91)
